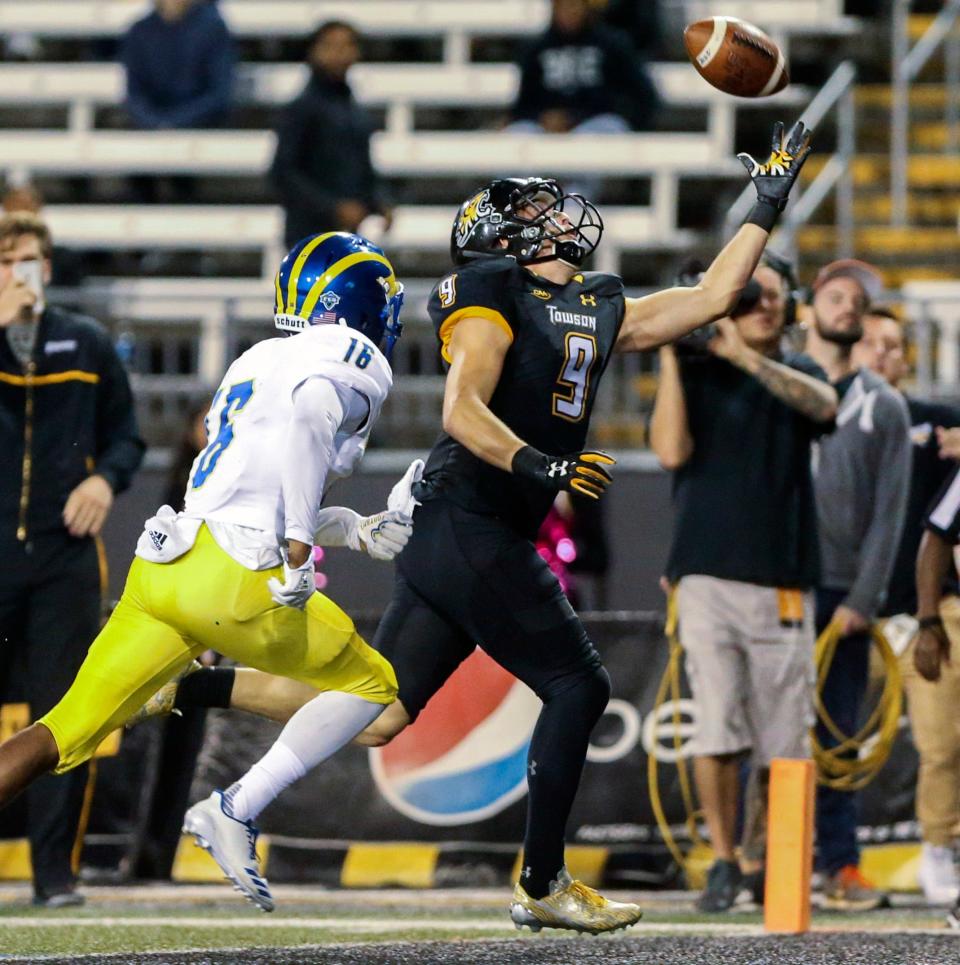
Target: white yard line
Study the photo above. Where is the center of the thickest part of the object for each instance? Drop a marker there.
(381, 925)
(372, 925)
(305, 894)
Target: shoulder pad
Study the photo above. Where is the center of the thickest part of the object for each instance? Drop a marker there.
(488, 266)
(600, 282)
(476, 282)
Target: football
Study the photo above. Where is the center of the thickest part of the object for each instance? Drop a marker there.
(736, 57)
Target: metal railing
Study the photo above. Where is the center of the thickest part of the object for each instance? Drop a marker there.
(906, 65)
(934, 308)
(176, 346)
(837, 93)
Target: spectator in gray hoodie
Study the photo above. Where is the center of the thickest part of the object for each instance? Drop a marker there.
(861, 482)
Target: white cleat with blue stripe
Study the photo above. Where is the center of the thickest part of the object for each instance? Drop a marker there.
(232, 844)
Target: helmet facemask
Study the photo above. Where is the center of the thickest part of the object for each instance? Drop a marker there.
(392, 326)
(530, 219)
(542, 216)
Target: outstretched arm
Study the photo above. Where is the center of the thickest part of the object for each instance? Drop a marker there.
(667, 315)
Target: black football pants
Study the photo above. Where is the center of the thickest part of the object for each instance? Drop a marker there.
(50, 599)
(466, 580)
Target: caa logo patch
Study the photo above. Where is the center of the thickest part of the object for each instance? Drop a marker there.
(465, 759)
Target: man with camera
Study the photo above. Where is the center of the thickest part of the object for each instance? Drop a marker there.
(69, 439)
(734, 419)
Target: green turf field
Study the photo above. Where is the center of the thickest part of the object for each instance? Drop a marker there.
(143, 920)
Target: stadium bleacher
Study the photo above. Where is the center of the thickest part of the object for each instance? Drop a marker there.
(401, 88)
(399, 151)
(395, 18)
(422, 228)
(78, 105)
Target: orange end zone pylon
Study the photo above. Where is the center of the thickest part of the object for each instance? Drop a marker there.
(786, 905)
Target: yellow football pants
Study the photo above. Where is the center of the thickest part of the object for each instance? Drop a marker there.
(171, 612)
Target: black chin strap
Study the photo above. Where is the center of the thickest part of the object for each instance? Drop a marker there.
(569, 252)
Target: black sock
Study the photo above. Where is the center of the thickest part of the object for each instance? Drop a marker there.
(554, 765)
(209, 687)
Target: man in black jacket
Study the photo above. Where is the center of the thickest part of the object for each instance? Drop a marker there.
(322, 169)
(69, 438)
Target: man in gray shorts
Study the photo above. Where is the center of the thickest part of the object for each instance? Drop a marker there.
(734, 419)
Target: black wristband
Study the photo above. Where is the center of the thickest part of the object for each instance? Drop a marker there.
(925, 623)
(764, 214)
(529, 462)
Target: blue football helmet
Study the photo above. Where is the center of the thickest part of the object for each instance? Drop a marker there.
(343, 279)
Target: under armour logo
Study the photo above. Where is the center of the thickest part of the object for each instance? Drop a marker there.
(558, 468)
(532, 768)
(526, 872)
(158, 539)
(590, 300)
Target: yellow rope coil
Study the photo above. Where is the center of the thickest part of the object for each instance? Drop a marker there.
(671, 681)
(856, 759)
(848, 766)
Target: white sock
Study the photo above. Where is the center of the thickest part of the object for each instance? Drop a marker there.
(315, 732)
(277, 769)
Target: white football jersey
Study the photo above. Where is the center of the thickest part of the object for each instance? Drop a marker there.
(237, 477)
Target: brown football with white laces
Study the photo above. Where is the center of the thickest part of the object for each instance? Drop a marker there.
(736, 57)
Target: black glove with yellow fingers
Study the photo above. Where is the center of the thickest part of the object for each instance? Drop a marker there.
(579, 472)
(775, 177)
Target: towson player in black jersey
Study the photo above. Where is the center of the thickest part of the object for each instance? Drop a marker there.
(527, 335)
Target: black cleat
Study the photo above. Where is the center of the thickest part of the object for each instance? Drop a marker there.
(723, 886)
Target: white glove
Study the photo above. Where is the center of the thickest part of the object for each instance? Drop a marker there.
(384, 535)
(297, 587)
(401, 497)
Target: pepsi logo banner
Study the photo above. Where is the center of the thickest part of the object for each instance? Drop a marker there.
(465, 758)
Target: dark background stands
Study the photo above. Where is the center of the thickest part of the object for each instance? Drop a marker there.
(642, 20)
(579, 69)
(179, 61)
(322, 169)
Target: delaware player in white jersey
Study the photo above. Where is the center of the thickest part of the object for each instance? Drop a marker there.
(234, 571)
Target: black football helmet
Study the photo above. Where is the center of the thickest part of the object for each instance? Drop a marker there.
(523, 212)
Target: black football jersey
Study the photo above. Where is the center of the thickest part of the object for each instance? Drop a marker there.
(563, 337)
